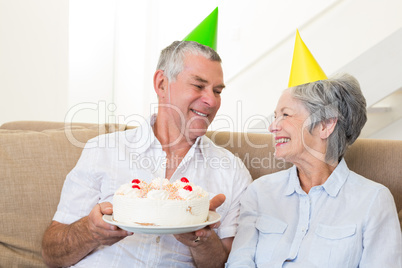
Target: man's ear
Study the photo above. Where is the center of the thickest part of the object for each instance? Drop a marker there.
(160, 83)
(327, 127)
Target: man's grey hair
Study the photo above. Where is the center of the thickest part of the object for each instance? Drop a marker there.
(172, 57)
(338, 97)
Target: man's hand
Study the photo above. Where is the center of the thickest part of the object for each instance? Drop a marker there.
(104, 233)
(217, 201)
(196, 238)
(66, 244)
(207, 249)
(214, 203)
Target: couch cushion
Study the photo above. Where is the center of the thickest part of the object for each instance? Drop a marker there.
(255, 150)
(378, 160)
(33, 168)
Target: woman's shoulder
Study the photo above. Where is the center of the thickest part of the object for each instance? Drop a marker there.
(361, 187)
(364, 182)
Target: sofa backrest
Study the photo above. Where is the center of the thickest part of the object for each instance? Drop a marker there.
(33, 167)
(377, 160)
(35, 158)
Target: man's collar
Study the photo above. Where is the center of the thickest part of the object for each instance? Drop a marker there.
(147, 137)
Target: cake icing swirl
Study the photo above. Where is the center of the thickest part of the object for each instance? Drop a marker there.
(158, 195)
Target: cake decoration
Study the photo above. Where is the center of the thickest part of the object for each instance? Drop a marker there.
(188, 188)
(184, 179)
(161, 202)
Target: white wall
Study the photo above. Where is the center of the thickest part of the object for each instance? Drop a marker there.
(134, 66)
(112, 49)
(91, 60)
(390, 132)
(33, 59)
(342, 33)
(246, 30)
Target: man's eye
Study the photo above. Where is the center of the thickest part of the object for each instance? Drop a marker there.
(218, 92)
(198, 86)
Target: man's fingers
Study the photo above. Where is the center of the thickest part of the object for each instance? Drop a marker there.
(106, 208)
(97, 214)
(215, 225)
(216, 202)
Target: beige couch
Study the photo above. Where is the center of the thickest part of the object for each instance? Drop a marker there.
(36, 156)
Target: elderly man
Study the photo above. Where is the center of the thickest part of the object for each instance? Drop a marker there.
(188, 82)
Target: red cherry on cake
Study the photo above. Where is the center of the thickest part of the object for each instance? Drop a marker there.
(135, 181)
(188, 188)
(135, 186)
(184, 179)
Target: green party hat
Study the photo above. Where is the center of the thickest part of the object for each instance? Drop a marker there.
(206, 33)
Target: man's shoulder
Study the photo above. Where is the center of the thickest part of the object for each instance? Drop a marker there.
(209, 147)
(118, 136)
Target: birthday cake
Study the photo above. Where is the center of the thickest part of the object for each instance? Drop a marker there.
(160, 203)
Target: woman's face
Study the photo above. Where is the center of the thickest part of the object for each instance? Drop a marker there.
(290, 129)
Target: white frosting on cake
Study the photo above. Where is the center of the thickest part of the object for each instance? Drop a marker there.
(160, 203)
(158, 195)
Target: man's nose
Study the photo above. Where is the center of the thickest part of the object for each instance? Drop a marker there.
(209, 97)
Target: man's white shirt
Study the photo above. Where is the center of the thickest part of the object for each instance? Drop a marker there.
(111, 160)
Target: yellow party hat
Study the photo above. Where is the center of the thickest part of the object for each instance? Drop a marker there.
(305, 68)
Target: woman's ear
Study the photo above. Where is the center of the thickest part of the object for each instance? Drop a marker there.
(327, 127)
(160, 83)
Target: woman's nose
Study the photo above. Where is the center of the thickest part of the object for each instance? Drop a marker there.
(273, 127)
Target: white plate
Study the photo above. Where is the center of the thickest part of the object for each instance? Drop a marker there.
(213, 217)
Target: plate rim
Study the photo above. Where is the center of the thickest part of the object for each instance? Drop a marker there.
(109, 219)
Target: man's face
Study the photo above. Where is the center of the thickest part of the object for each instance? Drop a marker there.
(195, 95)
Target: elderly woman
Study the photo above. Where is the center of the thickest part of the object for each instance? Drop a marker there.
(318, 213)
